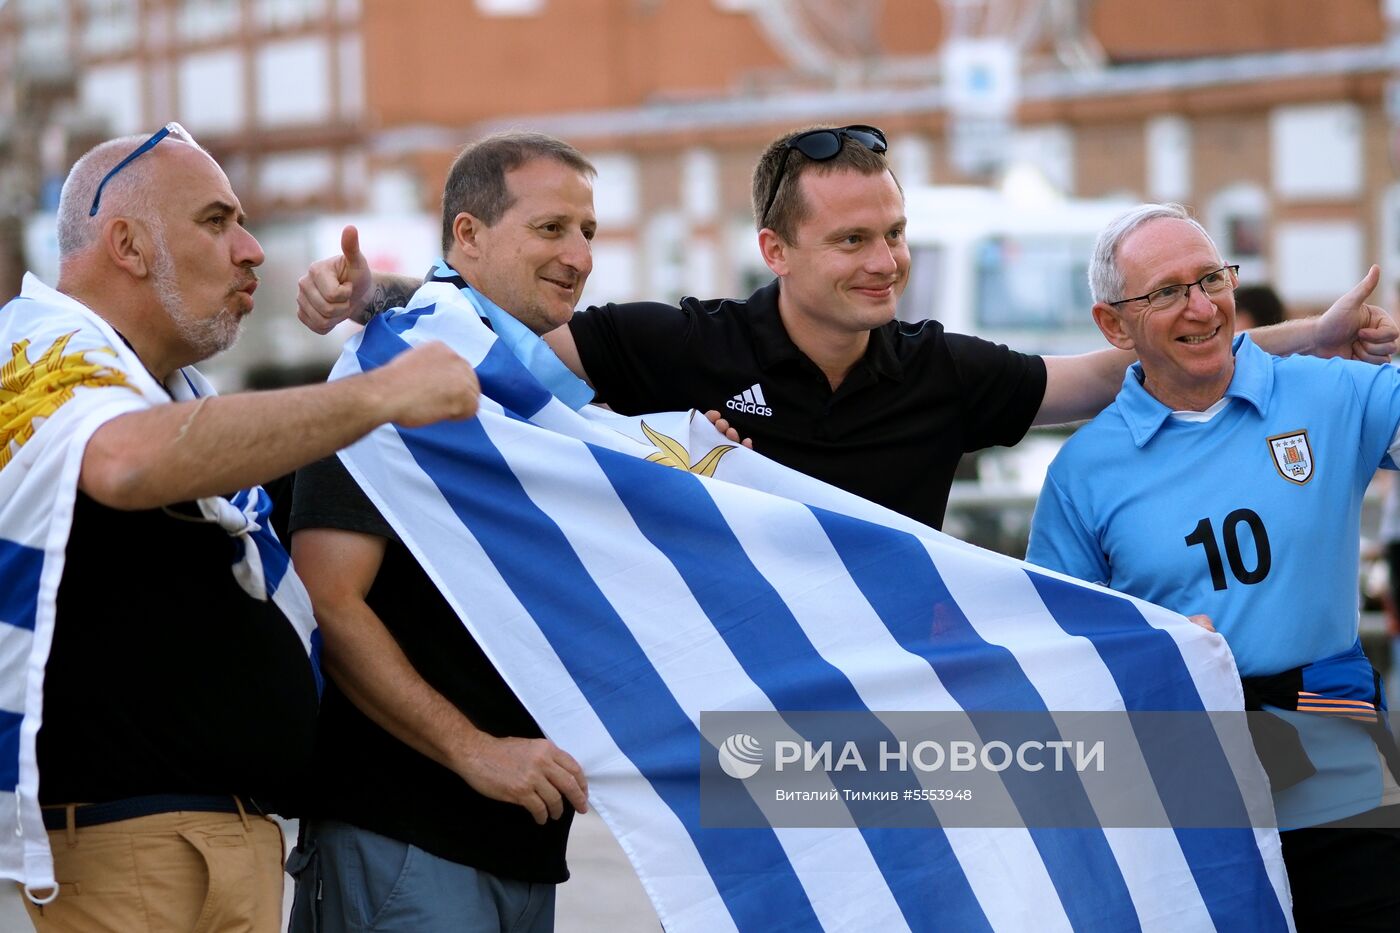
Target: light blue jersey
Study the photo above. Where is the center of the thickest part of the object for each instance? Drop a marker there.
(1252, 517)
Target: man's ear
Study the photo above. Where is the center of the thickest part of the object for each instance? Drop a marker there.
(1110, 321)
(129, 245)
(774, 249)
(466, 232)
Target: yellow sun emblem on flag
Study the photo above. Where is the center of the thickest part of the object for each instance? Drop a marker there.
(672, 453)
(30, 392)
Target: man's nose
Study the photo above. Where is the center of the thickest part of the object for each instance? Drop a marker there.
(578, 254)
(1198, 303)
(880, 258)
(247, 250)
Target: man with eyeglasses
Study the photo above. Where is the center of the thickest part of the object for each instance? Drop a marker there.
(1227, 482)
(146, 603)
(813, 367)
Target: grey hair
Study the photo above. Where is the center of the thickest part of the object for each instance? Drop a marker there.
(1105, 276)
(128, 193)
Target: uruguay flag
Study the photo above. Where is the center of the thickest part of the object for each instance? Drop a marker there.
(625, 575)
(64, 372)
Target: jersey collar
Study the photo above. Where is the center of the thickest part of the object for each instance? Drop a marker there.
(1252, 382)
(773, 345)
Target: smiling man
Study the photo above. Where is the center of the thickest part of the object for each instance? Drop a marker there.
(438, 804)
(1228, 482)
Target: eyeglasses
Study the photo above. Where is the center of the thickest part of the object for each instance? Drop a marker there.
(820, 145)
(1169, 297)
(170, 129)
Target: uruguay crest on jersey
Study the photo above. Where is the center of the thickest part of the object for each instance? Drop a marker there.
(1292, 456)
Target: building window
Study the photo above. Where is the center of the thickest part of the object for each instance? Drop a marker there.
(1316, 151)
(616, 190)
(296, 176)
(110, 26)
(208, 19)
(113, 94)
(509, 7)
(1238, 220)
(294, 82)
(43, 32)
(284, 14)
(1169, 158)
(211, 92)
(1317, 260)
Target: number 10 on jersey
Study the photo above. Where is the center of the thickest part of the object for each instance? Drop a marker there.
(1204, 535)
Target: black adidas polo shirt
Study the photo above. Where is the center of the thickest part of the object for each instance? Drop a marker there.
(892, 432)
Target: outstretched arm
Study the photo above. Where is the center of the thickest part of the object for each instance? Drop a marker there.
(1351, 329)
(368, 665)
(1079, 387)
(212, 446)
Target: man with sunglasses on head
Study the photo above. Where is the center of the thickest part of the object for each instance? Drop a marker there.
(1227, 482)
(813, 367)
(145, 602)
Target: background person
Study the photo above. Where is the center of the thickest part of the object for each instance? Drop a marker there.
(1257, 306)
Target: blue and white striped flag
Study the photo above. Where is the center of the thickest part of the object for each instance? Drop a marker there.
(64, 372)
(621, 590)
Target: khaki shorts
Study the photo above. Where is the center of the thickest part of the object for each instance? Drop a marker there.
(185, 871)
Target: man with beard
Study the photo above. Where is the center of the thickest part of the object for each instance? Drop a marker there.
(169, 640)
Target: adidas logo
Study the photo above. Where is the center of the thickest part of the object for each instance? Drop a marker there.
(750, 400)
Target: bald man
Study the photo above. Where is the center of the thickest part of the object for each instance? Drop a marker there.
(171, 643)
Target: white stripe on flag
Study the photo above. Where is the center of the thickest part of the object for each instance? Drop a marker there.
(14, 656)
(588, 503)
(784, 541)
(1007, 611)
(797, 558)
(665, 841)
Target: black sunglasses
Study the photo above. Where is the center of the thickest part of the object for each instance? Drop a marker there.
(820, 145)
(170, 129)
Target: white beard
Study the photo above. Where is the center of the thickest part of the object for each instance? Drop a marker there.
(206, 336)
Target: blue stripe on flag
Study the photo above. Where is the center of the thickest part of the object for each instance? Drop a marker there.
(271, 553)
(401, 321)
(275, 559)
(20, 567)
(9, 749)
(749, 867)
(506, 381)
(1159, 680)
(897, 577)
(919, 866)
(316, 651)
(503, 378)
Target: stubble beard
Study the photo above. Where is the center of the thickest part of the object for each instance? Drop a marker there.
(206, 336)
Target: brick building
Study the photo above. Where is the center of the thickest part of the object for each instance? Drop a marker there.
(1269, 117)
